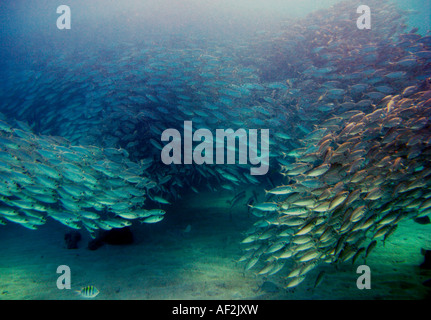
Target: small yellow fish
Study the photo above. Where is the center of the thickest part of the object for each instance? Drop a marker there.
(88, 292)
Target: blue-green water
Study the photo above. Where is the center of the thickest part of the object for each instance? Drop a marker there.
(116, 122)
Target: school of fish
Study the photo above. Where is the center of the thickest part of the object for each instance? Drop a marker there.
(90, 187)
(363, 168)
(348, 113)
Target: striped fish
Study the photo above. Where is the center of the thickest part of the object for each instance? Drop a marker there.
(88, 292)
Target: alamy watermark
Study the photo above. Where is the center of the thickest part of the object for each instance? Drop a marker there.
(204, 152)
(64, 280)
(364, 20)
(364, 280)
(64, 21)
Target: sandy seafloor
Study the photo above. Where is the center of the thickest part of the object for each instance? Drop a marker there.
(167, 263)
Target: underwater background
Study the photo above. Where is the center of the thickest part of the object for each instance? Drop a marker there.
(346, 179)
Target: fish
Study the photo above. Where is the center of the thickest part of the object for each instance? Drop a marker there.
(88, 292)
(76, 191)
(238, 197)
(354, 191)
(319, 170)
(160, 200)
(281, 190)
(265, 206)
(349, 139)
(153, 219)
(295, 281)
(370, 247)
(319, 278)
